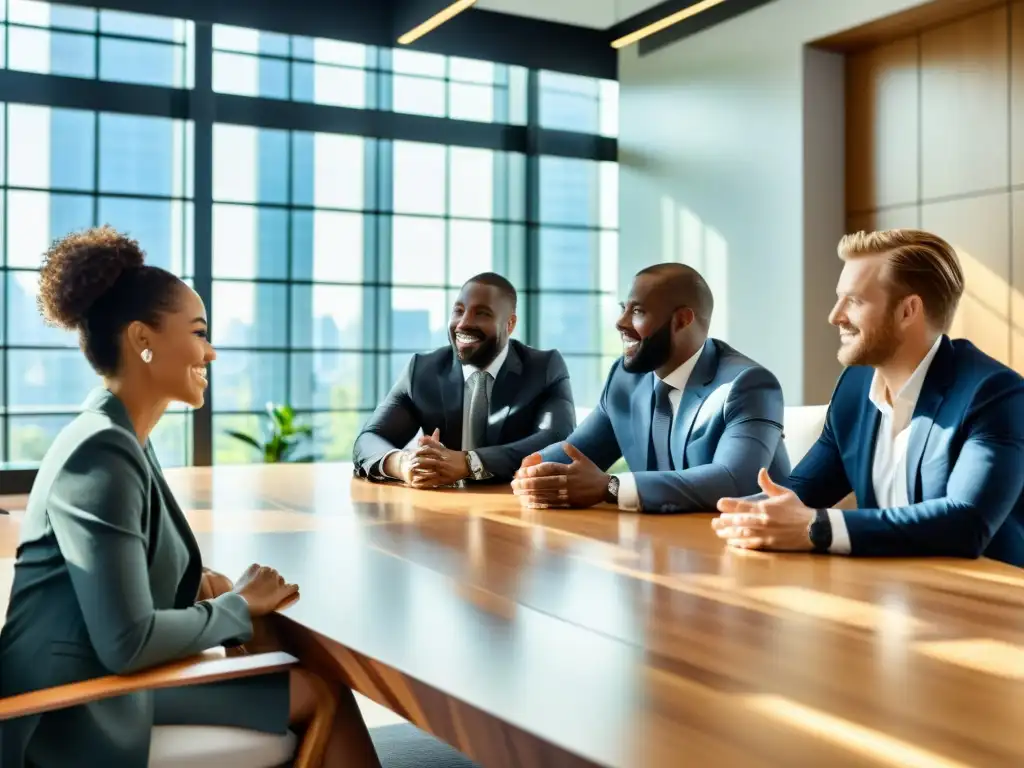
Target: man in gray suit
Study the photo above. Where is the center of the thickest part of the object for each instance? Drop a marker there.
(484, 402)
(694, 419)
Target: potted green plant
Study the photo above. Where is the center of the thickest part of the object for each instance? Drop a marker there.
(283, 435)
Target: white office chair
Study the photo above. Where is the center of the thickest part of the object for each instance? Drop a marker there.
(399, 745)
(210, 746)
(215, 746)
(802, 427)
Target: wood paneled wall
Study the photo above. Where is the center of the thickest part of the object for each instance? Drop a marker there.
(935, 139)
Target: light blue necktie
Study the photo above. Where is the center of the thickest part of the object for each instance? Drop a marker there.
(659, 456)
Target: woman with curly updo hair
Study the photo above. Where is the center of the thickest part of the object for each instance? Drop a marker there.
(108, 577)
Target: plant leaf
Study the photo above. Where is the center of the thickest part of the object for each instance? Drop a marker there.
(247, 439)
(273, 413)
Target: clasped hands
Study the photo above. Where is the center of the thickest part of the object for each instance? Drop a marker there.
(543, 484)
(431, 465)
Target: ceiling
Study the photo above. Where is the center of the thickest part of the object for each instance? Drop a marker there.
(599, 14)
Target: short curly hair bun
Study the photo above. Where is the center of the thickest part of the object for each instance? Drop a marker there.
(81, 268)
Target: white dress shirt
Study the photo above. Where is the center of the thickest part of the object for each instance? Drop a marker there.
(889, 470)
(467, 370)
(629, 498)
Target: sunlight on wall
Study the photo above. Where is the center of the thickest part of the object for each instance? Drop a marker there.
(686, 239)
(984, 313)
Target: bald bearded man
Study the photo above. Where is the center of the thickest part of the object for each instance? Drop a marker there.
(694, 419)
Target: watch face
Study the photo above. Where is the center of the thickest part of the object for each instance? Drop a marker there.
(820, 532)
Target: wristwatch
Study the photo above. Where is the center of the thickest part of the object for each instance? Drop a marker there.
(476, 467)
(820, 531)
(611, 494)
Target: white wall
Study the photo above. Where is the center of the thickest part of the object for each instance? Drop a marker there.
(731, 159)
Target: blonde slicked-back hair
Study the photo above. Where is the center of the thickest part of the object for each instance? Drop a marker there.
(918, 263)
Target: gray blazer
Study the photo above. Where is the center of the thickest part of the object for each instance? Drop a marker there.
(531, 406)
(729, 426)
(105, 581)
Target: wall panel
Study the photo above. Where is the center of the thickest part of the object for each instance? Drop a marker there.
(965, 106)
(948, 157)
(979, 229)
(903, 216)
(882, 126)
(1016, 10)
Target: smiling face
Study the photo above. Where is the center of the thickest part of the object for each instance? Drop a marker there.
(868, 317)
(482, 320)
(647, 325)
(181, 350)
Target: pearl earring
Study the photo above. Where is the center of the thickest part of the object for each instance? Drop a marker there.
(147, 355)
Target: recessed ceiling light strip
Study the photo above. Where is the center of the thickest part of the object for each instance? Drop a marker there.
(436, 21)
(664, 23)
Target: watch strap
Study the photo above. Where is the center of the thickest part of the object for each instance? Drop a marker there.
(611, 494)
(820, 531)
(476, 467)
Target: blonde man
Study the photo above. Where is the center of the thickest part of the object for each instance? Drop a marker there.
(927, 431)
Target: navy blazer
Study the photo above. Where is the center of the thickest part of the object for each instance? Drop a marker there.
(965, 462)
(728, 426)
(531, 405)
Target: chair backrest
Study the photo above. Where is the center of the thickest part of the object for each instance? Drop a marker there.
(803, 425)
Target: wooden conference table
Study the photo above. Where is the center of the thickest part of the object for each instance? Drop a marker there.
(595, 638)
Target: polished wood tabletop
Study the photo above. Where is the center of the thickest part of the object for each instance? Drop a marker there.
(572, 637)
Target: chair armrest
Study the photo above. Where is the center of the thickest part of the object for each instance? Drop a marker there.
(208, 667)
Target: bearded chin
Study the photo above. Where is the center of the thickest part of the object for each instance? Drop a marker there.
(872, 349)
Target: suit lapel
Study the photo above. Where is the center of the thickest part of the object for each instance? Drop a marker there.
(103, 400)
(188, 588)
(694, 394)
(641, 403)
(453, 387)
(502, 394)
(869, 422)
(936, 381)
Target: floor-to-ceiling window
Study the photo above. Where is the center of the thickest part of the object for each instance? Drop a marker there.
(67, 168)
(326, 198)
(577, 280)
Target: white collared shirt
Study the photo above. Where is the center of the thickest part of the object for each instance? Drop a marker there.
(889, 469)
(629, 498)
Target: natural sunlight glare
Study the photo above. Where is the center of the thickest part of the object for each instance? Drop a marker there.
(993, 657)
(880, 748)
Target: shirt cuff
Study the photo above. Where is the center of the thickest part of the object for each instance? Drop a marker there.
(629, 498)
(840, 533)
(378, 469)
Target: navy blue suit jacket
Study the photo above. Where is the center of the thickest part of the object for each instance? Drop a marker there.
(965, 462)
(729, 426)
